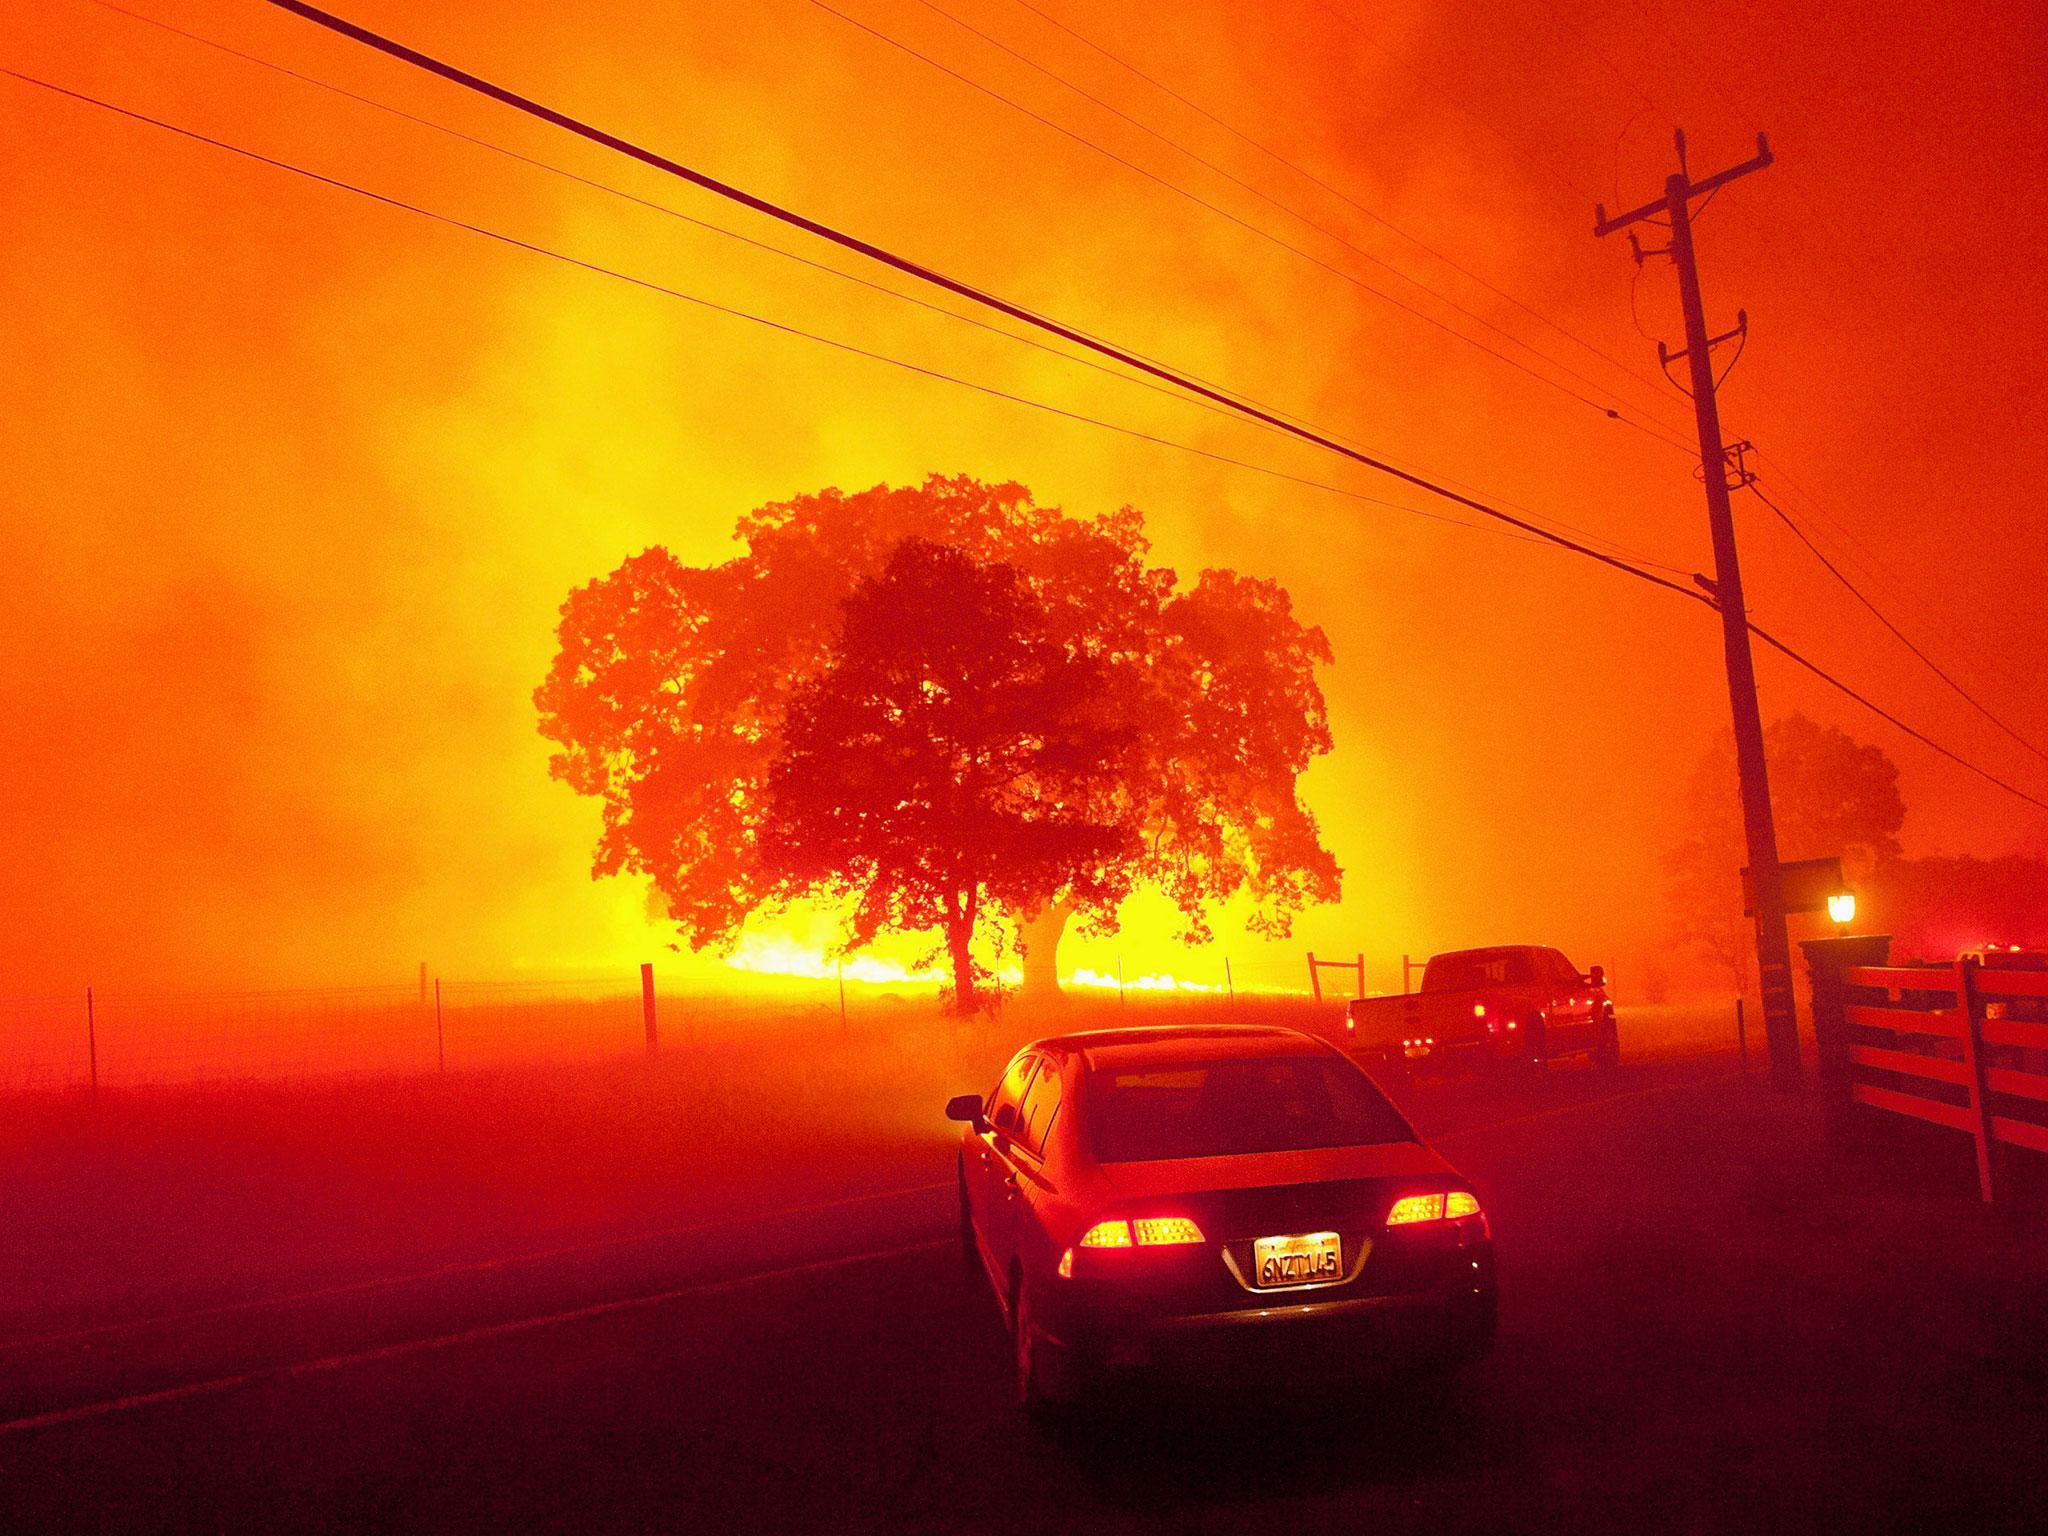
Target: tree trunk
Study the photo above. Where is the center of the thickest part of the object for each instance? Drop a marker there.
(1039, 940)
(960, 944)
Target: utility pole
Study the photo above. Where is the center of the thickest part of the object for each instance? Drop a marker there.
(1773, 950)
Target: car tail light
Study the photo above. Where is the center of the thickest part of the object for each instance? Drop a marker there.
(1067, 1265)
(1479, 1010)
(1164, 1231)
(1414, 1208)
(1107, 1234)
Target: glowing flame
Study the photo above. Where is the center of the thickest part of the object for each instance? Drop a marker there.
(1156, 981)
(768, 954)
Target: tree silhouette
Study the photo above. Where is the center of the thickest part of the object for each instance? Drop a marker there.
(670, 689)
(1830, 794)
(949, 759)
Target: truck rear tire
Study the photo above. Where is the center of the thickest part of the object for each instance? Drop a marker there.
(1607, 1054)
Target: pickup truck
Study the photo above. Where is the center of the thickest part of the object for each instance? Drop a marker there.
(1514, 1004)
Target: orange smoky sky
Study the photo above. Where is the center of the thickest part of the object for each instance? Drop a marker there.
(296, 481)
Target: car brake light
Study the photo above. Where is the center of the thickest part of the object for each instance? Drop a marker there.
(1414, 1208)
(1107, 1234)
(1163, 1231)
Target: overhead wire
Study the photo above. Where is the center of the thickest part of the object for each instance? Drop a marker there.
(1578, 189)
(1521, 532)
(624, 146)
(889, 258)
(1899, 634)
(1334, 235)
(1170, 392)
(1648, 428)
(663, 208)
(1339, 193)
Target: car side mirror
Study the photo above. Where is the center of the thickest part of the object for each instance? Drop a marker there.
(1597, 976)
(964, 1106)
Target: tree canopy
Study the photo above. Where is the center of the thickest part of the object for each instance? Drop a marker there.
(949, 760)
(670, 695)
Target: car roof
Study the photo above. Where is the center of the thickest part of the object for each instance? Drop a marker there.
(1492, 949)
(1181, 1042)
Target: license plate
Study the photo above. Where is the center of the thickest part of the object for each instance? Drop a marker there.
(1311, 1259)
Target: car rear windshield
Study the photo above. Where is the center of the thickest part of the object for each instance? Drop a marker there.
(1230, 1108)
(1471, 973)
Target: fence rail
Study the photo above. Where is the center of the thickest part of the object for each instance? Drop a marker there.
(150, 1037)
(1960, 1046)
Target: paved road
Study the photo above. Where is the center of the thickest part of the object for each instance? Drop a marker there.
(1708, 1324)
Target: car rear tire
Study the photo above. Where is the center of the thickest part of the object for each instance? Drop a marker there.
(1040, 1385)
(970, 1252)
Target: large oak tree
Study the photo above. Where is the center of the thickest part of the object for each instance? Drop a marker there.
(669, 698)
(950, 760)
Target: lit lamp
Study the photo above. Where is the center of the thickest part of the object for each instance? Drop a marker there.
(1842, 909)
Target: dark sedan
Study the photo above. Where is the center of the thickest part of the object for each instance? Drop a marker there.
(1214, 1196)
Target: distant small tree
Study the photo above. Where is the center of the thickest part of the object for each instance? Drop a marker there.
(950, 761)
(1830, 795)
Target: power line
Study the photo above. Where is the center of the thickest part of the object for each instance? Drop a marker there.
(1527, 532)
(1903, 638)
(889, 258)
(927, 274)
(1173, 393)
(1339, 193)
(1647, 428)
(1334, 235)
(1572, 185)
(663, 208)
(1876, 570)
(1884, 714)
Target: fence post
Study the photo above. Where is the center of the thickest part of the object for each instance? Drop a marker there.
(1970, 1014)
(423, 983)
(1119, 981)
(1827, 964)
(1229, 985)
(1361, 973)
(1315, 977)
(92, 1043)
(440, 1039)
(647, 1001)
(1742, 1036)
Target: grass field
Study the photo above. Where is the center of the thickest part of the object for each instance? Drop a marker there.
(186, 1191)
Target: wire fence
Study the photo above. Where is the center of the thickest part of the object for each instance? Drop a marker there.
(134, 1039)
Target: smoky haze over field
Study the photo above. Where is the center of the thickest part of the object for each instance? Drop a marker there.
(297, 484)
